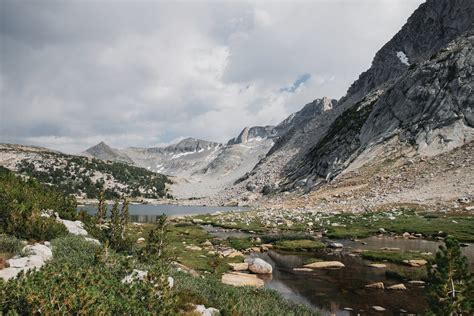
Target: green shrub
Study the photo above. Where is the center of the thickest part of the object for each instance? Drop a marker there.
(75, 250)
(64, 288)
(10, 246)
(21, 203)
(36, 228)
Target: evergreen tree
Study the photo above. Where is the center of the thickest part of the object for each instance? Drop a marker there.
(124, 216)
(115, 230)
(157, 242)
(101, 209)
(451, 287)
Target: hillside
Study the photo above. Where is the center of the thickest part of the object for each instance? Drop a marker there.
(417, 95)
(81, 176)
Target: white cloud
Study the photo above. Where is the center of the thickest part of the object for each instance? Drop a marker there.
(146, 73)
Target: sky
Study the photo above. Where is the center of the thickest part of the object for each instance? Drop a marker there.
(149, 73)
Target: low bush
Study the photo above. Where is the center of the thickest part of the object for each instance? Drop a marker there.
(66, 288)
(75, 250)
(10, 246)
(35, 228)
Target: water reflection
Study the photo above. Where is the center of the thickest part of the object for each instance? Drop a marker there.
(147, 213)
(333, 291)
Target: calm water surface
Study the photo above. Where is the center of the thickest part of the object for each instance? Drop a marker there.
(342, 292)
(147, 213)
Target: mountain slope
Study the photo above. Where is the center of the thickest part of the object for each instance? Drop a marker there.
(418, 90)
(82, 176)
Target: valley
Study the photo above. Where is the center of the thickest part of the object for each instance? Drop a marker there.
(358, 206)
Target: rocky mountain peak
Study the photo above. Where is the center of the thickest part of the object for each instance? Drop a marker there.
(253, 133)
(434, 24)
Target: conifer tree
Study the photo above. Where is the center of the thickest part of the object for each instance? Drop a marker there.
(101, 209)
(451, 287)
(124, 217)
(115, 230)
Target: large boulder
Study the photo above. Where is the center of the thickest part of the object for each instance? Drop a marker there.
(259, 266)
(74, 227)
(325, 265)
(242, 279)
(38, 255)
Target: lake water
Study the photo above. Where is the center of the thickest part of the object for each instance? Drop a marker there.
(147, 213)
(342, 292)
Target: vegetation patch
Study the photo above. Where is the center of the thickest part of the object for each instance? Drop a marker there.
(234, 300)
(393, 256)
(299, 245)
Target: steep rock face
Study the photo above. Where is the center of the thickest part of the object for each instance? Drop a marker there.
(253, 133)
(430, 27)
(429, 107)
(187, 145)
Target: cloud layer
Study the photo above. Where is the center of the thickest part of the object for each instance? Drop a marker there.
(73, 73)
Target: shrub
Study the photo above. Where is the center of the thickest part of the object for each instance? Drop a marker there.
(75, 250)
(21, 202)
(10, 246)
(66, 288)
(451, 286)
(36, 228)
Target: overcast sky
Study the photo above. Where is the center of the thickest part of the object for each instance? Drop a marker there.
(146, 73)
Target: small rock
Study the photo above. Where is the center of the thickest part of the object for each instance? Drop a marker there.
(398, 287)
(416, 262)
(136, 275)
(378, 308)
(376, 285)
(335, 245)
(417, 282)
(303, 269)
(194, 248)
(207, 243)
(140, 240)
(243, 266)
(377, 265)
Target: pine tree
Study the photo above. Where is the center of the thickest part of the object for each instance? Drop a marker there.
(115, 230)
(101, 209)
(124, 217)
(157, 242)
(451, 287)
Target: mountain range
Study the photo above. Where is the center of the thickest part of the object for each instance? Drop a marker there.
(414, 104)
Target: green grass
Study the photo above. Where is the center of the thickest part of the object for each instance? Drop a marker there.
(299, 245)
(392, 256)
(428, 224)
(407, 273)
(240, 243)
(233, 300)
